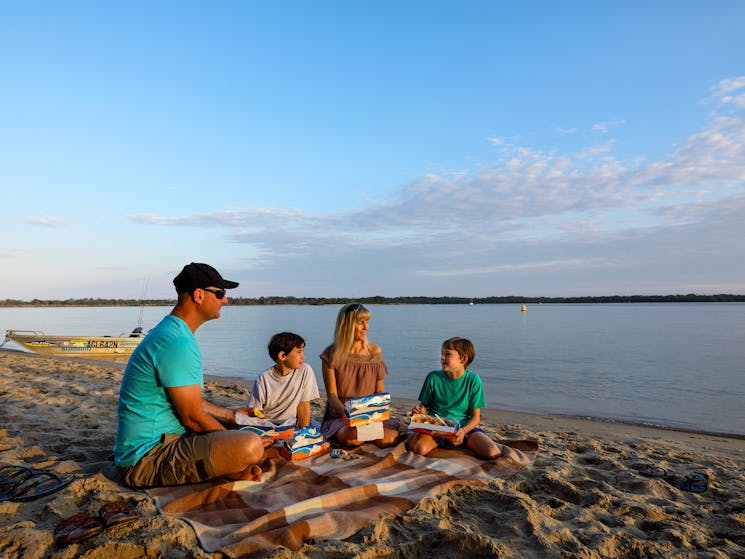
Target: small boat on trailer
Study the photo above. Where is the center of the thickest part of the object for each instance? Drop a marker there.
(91, 347)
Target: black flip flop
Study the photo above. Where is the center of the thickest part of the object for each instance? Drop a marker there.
(654, 471)
(14, 475)
(38, 485)
(695, 482)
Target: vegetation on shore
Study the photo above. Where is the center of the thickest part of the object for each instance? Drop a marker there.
(379, 300)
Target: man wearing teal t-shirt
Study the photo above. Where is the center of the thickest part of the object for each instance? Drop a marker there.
(167, 434)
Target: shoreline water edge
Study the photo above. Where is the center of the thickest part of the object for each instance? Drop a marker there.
(584, 496)
(532, 418)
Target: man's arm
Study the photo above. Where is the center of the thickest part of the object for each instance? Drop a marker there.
(195, 413)
(226, 416)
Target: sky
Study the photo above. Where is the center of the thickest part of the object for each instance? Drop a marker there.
(352, 149)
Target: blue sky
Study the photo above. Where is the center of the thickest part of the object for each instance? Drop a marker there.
(380, 148)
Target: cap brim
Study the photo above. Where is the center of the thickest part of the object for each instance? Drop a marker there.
(226, 284)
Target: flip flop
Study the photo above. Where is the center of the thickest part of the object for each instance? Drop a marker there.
(76, 528)
(14, 475)
(38, 485)
(115, 513)
(654, 471)
(695, 482)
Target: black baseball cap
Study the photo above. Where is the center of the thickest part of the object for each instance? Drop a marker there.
(196, 275)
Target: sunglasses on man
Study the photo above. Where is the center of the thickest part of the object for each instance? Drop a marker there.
(218, 293)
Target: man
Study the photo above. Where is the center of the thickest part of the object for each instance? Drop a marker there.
(166, 433)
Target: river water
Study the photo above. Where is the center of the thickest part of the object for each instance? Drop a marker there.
(672, 364)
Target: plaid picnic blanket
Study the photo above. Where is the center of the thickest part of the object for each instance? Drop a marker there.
(324, 496)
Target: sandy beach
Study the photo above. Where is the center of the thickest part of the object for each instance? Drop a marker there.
(583, 497)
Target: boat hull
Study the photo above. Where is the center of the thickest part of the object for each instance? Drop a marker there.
(98, 347)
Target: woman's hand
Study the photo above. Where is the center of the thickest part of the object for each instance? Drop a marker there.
(336, 406)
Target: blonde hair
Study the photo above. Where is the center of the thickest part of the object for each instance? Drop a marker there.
(344, 332)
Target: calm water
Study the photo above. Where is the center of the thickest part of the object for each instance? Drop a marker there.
(669, 364)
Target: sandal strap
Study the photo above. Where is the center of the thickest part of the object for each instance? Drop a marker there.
(113, 508)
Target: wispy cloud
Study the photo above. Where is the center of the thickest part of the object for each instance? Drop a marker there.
(603, 127)
(51, 222)
(541, 266)
(567, 131)
(527, 212)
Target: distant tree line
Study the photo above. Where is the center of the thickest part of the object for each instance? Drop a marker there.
(380, 300)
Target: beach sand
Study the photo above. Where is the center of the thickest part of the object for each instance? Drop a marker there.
(582, 498)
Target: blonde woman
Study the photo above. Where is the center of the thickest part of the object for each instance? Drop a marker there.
(352, 367)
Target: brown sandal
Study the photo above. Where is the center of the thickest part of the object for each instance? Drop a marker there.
(78, 527)
(115, 513)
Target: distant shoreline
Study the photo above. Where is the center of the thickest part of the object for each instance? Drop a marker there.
(379, 300)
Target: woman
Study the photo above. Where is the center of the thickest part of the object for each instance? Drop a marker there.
(352, 367)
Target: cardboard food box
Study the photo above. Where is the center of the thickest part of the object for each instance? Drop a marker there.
(368, 404)
(367, 409)
(430, 425)
(306, 442)
(265, 428)
(303, 452)
(309, 435)
(365, 418)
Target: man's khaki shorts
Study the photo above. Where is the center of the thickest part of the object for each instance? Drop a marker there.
(177, 460)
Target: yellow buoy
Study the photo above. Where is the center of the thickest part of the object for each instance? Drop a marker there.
(524, 308)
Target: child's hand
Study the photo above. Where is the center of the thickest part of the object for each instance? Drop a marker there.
(460, 434)
(419, 408)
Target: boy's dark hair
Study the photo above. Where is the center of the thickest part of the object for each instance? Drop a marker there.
(462, 346)
(284, 341)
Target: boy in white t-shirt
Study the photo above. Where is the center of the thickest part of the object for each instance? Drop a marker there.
(286, 389)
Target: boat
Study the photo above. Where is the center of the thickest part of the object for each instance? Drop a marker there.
(91, 347)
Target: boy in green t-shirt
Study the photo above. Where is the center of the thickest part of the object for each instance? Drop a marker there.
(455, 393)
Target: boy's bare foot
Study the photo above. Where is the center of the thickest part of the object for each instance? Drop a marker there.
(252, 473)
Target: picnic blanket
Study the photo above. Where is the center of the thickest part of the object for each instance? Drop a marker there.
(323, 496)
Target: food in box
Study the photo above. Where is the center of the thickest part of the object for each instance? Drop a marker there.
(430, 425)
